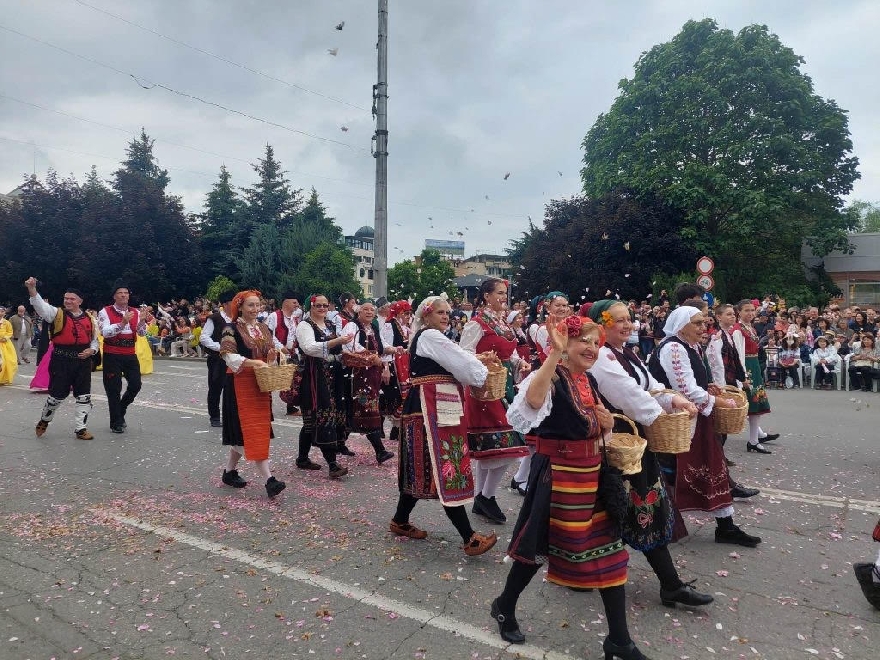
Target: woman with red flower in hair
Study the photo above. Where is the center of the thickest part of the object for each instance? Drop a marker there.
(562, 522)
(626, 386)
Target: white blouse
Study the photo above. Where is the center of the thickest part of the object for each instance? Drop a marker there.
(305, 337)
(353, 329)
(471, 335)
(624, 393)
(716, 361)
(677, 364)
(463, 366)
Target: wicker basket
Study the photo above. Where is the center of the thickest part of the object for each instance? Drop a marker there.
(361, 360)
(670, 433)
(625, 450)
(496, 381)
(732, 420)
(275, 377)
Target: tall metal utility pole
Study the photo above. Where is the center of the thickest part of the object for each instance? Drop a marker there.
(380, 153)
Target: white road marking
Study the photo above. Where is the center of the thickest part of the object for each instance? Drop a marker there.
(423, 617)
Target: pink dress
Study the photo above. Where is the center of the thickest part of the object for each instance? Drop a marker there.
(40, 381)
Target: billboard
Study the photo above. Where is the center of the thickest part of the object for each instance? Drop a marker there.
(445, 247)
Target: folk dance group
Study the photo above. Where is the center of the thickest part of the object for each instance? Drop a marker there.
(577, 516)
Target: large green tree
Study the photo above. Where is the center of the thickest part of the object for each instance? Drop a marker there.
(865, 215)
(224, 230)
(615, 245)
(271, 200)
(728, 130)
(429, 276)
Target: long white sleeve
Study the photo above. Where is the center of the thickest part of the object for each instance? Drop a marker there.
(464, 367)
(354, 346)
(622, 392)
(520, 415)
(305, 337)
(677, 364)
(471, 335)
(386, 334)
(739, 341)
(46, 311)
(716, 361)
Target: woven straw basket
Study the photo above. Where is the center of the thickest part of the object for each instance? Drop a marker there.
(625, 450)
(361, 360)
(496, 382)
(275, 377)
(670, 433)
(732, 420)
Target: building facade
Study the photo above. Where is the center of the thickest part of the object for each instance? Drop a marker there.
(857, 274)
(361, 245)
(491, 265)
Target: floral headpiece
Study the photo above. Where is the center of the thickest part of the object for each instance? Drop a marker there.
(398, 308)
(575, 326)
(607, 319)
(239, 298)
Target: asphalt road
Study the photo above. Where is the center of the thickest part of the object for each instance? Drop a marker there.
(129, 546)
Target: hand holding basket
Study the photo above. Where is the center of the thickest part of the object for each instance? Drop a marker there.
(275, 377)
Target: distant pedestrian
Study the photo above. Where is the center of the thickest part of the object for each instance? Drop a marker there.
(212, 333)
(8, 358)
(22, 334)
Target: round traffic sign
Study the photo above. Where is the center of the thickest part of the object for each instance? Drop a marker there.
(706, 282)
(705, 265)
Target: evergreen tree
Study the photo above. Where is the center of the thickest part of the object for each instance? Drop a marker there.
(224, 231)
(271, 200)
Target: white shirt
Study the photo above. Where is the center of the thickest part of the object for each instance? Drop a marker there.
(208, 330)
(386, 334)
(677, 364)
(235, 360)
(624, 393)
(471, 335)
(305, 337)
(463, 366)
(716, 361)
(120, 329)
(290, 321)
(47, 312)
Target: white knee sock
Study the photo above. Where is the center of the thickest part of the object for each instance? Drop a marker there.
(754, 427)
(83, 406)
(492, 479)
(479, 475)
(761, 433)
(234, 457)
(263, 468)
(525, 465)
(49, 409)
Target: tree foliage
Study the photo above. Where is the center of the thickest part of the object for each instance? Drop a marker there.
(616, 244)
(431, 276)
(728, 131)
(864, 216)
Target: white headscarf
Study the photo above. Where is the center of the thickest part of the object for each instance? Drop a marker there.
(678, 318)
(420, 310)
(513, 315)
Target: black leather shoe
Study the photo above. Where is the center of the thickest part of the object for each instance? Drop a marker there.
(384, 455)
(116, 428)
(488, 508)
(518, 486)
(736, 536)
(345, 451)
(216, 423)
(507, 625)
(758, 448)
(871, 589)
(628, 652)
(770, 437)
(273, 486)
(307, 464)
(686, 595)
(232, 478)
(742, 492)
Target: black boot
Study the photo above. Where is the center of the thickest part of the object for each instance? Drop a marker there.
(232, 478)
(273, 486)
(628, 652)
(864, 574)
(507, 625)
(686, 595)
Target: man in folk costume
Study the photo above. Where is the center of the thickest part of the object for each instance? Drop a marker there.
(212, 333)
(75, 341)
(120, 327)
(282, 322)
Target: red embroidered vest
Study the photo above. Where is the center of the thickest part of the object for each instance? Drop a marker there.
(121, 345)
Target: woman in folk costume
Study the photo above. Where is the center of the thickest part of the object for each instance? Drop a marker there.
(322, 389)
(868, 575)
(561, 521)
(553, 306)
(8, 356)
(698, 479)
(435, 462)
(492, 441)
(364, 386)
(396, 333)
(627, 387)
(746, 341)
(245, 346)
(515, 321)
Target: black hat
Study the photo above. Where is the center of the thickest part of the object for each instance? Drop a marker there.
(289, 295)
(381, 301)
(119, 284)
(77, 292)
(226, 296)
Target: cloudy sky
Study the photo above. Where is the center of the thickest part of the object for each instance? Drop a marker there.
(477, 89)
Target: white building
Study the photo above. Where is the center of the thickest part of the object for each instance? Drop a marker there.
(361, 245)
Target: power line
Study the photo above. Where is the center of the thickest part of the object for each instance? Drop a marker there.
(168, 142)
(150, 85)
(220, 57)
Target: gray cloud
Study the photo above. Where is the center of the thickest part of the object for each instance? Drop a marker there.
(476, 90)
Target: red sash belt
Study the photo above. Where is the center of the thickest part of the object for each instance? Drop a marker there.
(565, 448)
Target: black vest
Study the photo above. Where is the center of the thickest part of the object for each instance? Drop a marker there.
(422, 366)
(219, 323)
(698, 366)
(565, 421)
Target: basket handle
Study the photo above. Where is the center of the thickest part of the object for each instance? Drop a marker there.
(663, 391)
(628, 421)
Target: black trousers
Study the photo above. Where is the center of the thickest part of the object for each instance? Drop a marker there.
(67, 374)
(216, 379)
(117, 367)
